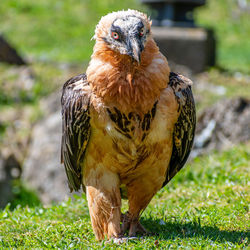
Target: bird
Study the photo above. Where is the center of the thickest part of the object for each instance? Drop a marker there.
(128, 124)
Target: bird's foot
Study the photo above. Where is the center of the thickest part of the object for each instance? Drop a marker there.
(133, 225)
(136, 227)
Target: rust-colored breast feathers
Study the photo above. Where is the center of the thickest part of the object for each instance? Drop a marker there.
(127, 85)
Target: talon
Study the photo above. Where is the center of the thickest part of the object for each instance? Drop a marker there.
(133, 225)
(136, 227)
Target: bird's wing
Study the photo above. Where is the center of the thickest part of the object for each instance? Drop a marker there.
(184, 129)
(75, 127)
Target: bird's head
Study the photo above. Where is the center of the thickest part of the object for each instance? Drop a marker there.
(125, 32)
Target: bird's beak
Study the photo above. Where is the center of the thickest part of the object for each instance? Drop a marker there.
(134, 48)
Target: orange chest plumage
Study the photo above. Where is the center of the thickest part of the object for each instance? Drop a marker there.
(121, 83)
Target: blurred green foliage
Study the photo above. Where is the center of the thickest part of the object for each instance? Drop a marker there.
(61, 30)
(232, 27)
(23, 196)
(55, 30)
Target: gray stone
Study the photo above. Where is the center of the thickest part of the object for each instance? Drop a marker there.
(192, 47)
(42, 169)
(9, 54)
(173, 12)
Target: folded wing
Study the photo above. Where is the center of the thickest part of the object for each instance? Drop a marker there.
(184, 129)
(75, 128)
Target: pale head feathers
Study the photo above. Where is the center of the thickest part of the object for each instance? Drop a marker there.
(102, 28)
(120, 77)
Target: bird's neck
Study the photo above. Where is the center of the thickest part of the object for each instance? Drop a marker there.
(125, 84)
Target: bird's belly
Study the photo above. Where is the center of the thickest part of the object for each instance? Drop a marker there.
(140, 153)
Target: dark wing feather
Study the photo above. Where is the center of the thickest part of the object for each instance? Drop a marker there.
(184, 129)
(75, 127)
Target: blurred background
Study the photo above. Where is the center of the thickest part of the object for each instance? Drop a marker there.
(44, 43)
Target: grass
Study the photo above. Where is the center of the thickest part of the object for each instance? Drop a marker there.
(205, 206)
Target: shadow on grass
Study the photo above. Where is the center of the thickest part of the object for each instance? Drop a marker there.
(172, 230)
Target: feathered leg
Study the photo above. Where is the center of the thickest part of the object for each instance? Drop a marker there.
(140, 193)
(104, 201)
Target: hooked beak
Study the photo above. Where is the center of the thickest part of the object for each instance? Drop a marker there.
(134, 48)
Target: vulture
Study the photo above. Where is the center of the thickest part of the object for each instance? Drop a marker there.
(128, 124)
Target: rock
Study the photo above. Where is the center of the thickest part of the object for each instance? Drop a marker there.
(16, 127)
(224, 124)
(9, 54)
(192, 47)
(42, 169)
(51, 104)
(17, 83)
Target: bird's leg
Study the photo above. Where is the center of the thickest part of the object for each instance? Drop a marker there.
(133, 225)
(140, 193)
(104, 203)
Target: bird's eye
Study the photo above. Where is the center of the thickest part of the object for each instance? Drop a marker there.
(115, 35)
(141, 33)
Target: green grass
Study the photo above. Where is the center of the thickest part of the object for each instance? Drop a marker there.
(205, 206)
